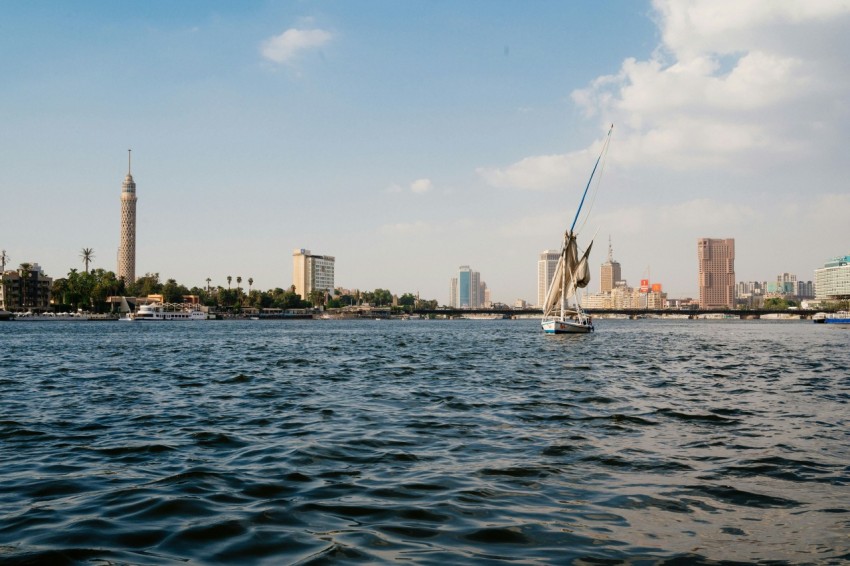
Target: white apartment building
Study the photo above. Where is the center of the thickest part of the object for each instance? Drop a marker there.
(312, 272)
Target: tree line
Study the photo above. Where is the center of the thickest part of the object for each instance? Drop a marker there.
(89, 290)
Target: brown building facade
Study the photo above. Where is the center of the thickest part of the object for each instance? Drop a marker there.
(716, 273)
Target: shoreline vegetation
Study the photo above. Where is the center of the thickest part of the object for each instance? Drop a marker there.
(90, 291)
(93, 292)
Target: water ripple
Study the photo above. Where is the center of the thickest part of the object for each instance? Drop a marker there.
(657, 442)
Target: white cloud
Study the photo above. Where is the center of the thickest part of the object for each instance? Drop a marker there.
(540, 172)
(752, 86)
(420, 186)
(284, 48)
(417, 228)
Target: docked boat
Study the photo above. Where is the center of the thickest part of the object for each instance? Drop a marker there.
(841, 317)
(572, 273)
(30, 316)
(166, 311)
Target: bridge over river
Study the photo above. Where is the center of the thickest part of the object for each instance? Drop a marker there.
(745, 314)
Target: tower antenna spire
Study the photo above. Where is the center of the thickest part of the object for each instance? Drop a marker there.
(129, 161)
(610, 250)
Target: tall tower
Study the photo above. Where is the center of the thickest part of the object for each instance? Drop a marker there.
(127, 247)
(716, 273)
(610, 272)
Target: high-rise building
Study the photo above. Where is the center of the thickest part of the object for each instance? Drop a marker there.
(805, 290)
(467, 289)
(610, 273)
(716, 273)
(127, 245)
(832, 281)
(546, 265)
(312, 272)
(786, 284)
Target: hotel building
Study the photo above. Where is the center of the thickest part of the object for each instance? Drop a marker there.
(716, 259)
(832, 281)
(312, 272)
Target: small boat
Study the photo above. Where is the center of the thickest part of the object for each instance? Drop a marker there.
(840, 317)
(30, 316)
(571, 274)
(166, 311)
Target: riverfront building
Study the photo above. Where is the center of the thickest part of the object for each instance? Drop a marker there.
(312, 272)
(467, 290)
(127, 245)
(28, 288)
(546, 264)
(716, 273)
(610, 272)
(832, 281)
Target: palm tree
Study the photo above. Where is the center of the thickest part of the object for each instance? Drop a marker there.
(229, 279)
(208, 284)
(250, 282)
(24, 273)
(238, 291)
(87, 255)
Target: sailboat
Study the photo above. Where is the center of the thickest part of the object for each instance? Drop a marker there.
(571, 274)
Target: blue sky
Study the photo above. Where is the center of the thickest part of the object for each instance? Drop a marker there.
(408, 138)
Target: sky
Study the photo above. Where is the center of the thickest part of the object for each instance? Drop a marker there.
(409, 138)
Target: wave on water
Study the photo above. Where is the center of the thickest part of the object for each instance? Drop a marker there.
(432, 442)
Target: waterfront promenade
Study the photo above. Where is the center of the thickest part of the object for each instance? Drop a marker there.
(744, 314)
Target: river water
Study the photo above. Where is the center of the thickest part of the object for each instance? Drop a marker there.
(431, 442)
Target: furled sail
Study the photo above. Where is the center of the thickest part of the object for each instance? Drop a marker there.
(582, 272)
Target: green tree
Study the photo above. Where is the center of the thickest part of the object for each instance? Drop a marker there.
(87, 255)
(149, 284)
(172, 292)
(317, 297)
(775, 304)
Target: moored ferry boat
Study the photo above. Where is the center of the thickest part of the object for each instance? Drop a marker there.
(841, 317)
(166, 311)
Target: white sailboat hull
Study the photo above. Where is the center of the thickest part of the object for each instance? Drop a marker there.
(566, 327)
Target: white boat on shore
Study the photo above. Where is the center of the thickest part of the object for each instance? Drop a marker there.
(30, 316)
(166, 311)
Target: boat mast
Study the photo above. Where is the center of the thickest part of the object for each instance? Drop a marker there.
(601, 153)
(564, 276)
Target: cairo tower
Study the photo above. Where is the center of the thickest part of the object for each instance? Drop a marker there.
(127, 247)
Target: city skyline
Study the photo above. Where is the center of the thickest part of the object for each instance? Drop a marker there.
(409, 139)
